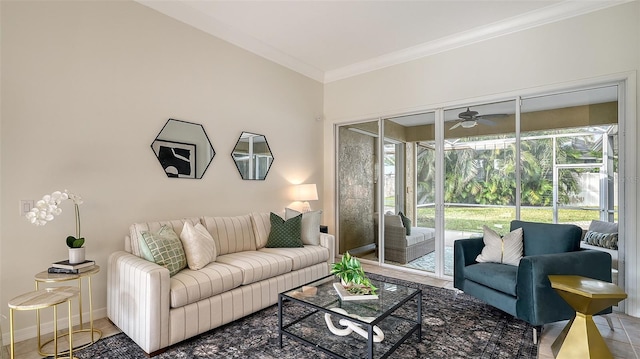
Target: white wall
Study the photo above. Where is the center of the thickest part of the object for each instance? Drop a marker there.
(601, 44)
(87, 86)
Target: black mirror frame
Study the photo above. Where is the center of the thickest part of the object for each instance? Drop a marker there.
(182, 145)
(236, 162)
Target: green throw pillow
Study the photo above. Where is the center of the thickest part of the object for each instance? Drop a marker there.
(166, 248)
(285, 234)
(406, 222)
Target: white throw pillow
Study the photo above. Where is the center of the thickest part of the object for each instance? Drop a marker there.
(199, 246)
(310, 225)
(506, 250)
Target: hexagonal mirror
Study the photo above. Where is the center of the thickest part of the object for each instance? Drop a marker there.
(183, 149)
(252, 156)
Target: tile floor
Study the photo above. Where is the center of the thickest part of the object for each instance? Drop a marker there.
(623, 341)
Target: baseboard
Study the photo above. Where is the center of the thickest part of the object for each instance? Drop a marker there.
(47, 327)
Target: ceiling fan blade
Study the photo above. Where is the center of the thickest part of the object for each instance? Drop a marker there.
(458, 124)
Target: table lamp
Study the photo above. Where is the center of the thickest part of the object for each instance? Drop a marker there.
(306, 193)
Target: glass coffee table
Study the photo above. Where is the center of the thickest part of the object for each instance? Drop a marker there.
(316, 315)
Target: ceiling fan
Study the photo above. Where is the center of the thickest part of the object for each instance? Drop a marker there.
(469, 119)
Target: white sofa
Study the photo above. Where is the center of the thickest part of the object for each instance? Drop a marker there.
(156, 310)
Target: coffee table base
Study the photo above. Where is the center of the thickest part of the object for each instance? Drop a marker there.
(352, 327)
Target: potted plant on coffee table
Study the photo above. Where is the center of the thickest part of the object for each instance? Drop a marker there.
(350, 272)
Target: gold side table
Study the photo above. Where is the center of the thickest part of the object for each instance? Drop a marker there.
(581, 338)
(40, 299)
(46, 277)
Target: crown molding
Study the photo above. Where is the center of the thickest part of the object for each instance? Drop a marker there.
(190, 15)
(550, 14)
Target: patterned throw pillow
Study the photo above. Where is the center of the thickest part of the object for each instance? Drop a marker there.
(605, 240)
(406, 222)
(506, 250)
(285, 234)
(166, 248)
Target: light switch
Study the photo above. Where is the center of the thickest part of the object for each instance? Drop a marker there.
(26, 205)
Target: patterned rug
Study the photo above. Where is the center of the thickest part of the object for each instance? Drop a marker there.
(428, 262)
(453, 326)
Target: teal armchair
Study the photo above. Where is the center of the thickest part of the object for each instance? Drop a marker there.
(524, 291)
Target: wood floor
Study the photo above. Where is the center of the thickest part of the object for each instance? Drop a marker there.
(623, 341)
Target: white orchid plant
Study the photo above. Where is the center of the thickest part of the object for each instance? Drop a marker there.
(49, 206)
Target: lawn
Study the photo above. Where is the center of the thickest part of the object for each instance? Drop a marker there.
(471, 219)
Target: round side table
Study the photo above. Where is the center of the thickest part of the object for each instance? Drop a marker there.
(46, 277)
(40, 299)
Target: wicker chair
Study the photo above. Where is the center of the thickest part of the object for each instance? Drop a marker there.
(402, 248)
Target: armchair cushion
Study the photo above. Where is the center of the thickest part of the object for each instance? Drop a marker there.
(548, 238)
(494, 275)
(507, 249)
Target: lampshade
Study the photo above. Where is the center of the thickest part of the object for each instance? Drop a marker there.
(306, 192)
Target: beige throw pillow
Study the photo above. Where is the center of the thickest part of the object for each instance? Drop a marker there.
(506, 250)
(310, 225)
(199, 246)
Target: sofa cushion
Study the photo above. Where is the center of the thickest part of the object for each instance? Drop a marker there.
(548, 238)
(310, 231)
(189, 286)
(415, 238)
(604, 240)
(257, 265)
(231, 234)
(603, 227)
(198, 244)
(285, 233)
(166, 249)
(136, 228)
(261, 228)
(427, 232)
(500, 277)
(301, 257)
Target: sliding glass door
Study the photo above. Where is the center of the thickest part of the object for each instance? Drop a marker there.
(479, 169)
(410, 185)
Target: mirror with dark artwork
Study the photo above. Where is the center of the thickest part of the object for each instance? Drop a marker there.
(183, 149)
(252, 156)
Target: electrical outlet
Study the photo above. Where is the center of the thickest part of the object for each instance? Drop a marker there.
(26, 205)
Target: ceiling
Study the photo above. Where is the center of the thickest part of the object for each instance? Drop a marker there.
(332, 40)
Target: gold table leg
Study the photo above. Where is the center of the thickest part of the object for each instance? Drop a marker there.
(581, 338)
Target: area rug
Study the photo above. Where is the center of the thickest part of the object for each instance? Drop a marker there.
(454, 325)
(428, 262)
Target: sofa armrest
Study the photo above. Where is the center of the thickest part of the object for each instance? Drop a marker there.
(395, 237)
(465, 252)
(537, 302)
(138, 300)
(329, 241)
